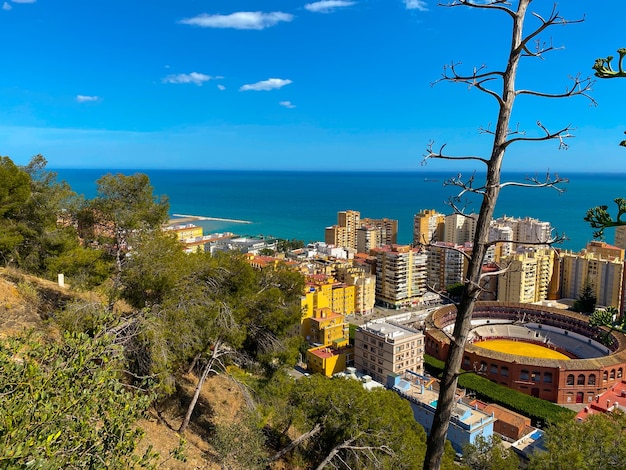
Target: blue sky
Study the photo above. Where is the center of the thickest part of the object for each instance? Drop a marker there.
(286, 84)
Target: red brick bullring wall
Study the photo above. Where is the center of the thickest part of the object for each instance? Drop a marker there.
(558, 381)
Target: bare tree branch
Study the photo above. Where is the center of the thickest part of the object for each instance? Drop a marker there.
(493, 5)
(296, 442)
(534, 182)
(579, 87)
(430, 153)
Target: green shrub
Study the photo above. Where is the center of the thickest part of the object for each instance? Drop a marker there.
(539, 411)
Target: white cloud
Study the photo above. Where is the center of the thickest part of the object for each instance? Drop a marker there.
(221, 87)
(416, 5)
(287, 104)
(239, 20)
(193, 77)
(326, 6)
(6, 6)
(266, 85)
(86, 98)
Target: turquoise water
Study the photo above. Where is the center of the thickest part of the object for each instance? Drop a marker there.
(301, 204)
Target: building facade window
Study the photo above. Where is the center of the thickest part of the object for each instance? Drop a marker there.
(592, 379)
(619, 373)
(605, 376)
(504, 371)
(547, 377)
(523, 375)
(570, 379)
(580, 380)
(612, 374)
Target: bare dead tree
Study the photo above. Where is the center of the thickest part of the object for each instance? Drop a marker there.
(523, 44)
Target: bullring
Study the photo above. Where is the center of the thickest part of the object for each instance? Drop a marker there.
(597, 357)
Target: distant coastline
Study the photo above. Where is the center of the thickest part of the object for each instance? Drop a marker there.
(300, 205)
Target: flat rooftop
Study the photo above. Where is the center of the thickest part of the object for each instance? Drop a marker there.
(389, 330)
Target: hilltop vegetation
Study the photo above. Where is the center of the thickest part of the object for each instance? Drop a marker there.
(142, 333)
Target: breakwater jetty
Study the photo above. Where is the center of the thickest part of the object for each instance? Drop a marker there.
(183, 218)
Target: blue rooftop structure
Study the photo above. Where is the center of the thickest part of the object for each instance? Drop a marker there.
(466, 424)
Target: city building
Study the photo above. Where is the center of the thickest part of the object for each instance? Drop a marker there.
(400, 275)
(601, 267)
(241, 245)
(329, 359)
(324, 327)
(385, 348)
(324, 291)
(613, 399)
(428, 227)
(367, 237)
(387, 229)
(364, 284)
(343, 234)
(527, 277)
(446, 265)
(184, 231)
(508, 424)
(526, 231)
(502, 236)
(620, 237)
(459, 228)
(466, 423)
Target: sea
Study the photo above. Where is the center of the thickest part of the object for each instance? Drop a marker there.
(299, 205)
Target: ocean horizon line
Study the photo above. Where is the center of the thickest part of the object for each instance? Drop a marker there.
(343, 171)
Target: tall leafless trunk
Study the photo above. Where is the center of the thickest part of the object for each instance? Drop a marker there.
(205, 373)
(503, 136)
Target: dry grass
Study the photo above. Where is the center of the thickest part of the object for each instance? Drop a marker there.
(25, 303)
(220, 400)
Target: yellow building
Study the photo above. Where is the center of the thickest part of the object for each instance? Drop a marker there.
(428, 226)
(185, 231)
(324, 291)
(329, 359)
(324, 327)
(528, 276)
(365, 287)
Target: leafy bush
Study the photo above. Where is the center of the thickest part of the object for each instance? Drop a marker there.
(63, 405)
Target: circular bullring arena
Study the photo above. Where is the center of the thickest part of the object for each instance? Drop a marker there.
(545, 352)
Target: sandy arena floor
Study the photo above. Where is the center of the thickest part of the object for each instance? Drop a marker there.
(520, 348)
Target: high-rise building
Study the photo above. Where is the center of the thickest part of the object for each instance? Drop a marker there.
(600, 266)
(387, 228)
(428, 227)
(344, 233)
(459, 228)
(382, 349)
(620, 237)
(526, 231)
(367, 237)
(446, 265)
(400, 275)
(527, 276)
(365, 285)
(503, 236)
